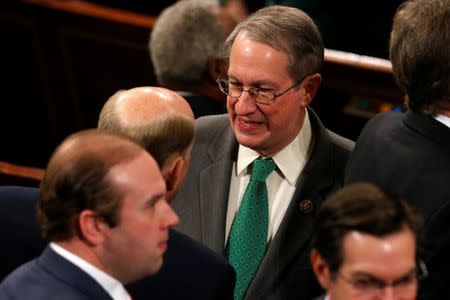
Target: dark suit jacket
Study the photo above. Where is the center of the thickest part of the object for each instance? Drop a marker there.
(20, 234)
(190, 271)
(285, 271)
(409, 154)
(50, 276)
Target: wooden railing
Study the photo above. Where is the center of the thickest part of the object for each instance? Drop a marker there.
(373, 64)
(97, 11)
(13, 174)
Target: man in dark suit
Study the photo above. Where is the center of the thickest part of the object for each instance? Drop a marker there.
(367, 245)
(162, 122)
(274, 60)
(186, 51)
(102, 207)
(409, 153)
(20, 235)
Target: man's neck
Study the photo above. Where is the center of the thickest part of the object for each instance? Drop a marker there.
(80, 249)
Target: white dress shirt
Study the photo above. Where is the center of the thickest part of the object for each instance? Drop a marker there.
(111, 285)
(281, 184)
(443, 119)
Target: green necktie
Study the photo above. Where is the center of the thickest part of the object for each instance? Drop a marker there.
(248, 235)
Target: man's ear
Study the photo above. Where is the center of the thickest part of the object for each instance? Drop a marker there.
(311, 84)
(92, 228)
(216, 67)
(173, 172)
(320, 269)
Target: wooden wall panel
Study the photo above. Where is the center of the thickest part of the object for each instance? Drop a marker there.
(61, 61)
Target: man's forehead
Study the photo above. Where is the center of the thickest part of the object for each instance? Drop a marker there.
(360, 247)
(256, 61)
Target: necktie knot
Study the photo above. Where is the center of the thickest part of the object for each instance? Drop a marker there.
(262, 168)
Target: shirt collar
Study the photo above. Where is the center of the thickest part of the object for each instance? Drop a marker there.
(111, 285)
(290, 161)
(443, 119)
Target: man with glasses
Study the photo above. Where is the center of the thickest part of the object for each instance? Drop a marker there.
(258, 175)
(366, 245)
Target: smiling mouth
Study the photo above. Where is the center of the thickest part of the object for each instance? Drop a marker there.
(249, 123)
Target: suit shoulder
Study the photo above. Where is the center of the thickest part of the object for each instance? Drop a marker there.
(342, 143)
(195, 251)
(208, 126)
(383, 121)
(380, 129)
(31, 281)
(26, 279)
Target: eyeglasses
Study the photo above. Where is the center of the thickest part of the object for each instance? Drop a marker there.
(366, 284)
(259, 95)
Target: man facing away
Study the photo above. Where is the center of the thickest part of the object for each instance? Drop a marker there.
(102, 207)
(258, 175)
(163, 123)
(408, 153)
(366, 245)
(186, 51)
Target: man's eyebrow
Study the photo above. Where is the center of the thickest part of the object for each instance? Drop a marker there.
(255, 83)
(154, 198)
(364, 274)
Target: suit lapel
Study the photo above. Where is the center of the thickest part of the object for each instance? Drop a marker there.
(71, 275)
(214, 188)
(294, 234)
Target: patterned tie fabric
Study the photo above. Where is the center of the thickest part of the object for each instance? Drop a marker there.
(248, 236)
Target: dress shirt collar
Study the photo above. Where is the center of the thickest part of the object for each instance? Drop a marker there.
(290, 161)
(443, 119)
(111, 285)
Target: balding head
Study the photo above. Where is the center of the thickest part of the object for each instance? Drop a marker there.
(76, 179)
(145, 104)
(158, 119)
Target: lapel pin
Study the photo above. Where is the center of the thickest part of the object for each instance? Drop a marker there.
(306, 206)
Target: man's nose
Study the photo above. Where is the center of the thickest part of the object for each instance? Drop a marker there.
(388, 293)
(245, 104)
(171, 218)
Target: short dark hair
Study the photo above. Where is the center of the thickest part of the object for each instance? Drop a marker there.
(365, 208)
(286, 29)
(76, 179)
(420, 55)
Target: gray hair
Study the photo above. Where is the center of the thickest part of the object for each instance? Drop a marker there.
(286, 29)
(420, 54)
(186, 35)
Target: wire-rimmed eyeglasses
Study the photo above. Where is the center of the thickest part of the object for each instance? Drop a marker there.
(402, 286)
(259, 95)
